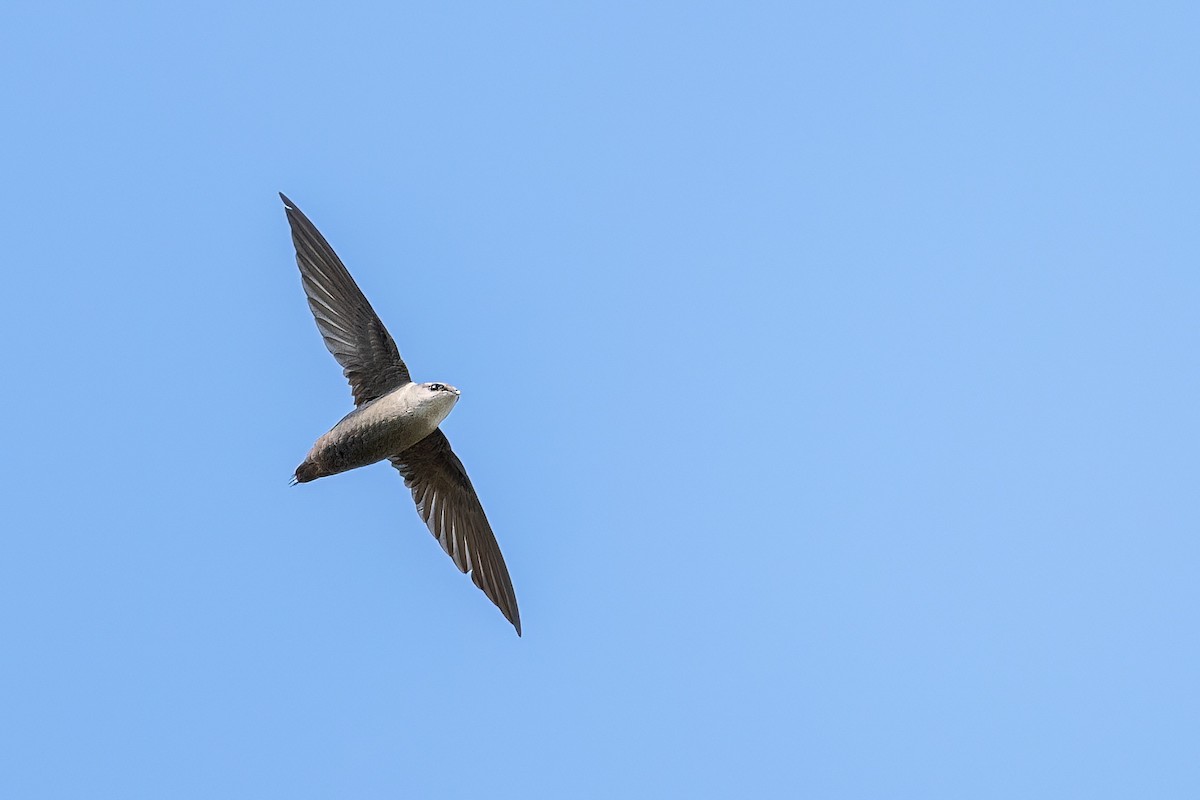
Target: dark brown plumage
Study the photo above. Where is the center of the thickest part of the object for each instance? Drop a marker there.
(382, 389)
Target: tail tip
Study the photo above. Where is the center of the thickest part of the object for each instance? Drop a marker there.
(306, 472)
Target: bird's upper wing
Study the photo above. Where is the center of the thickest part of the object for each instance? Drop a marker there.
(352, 330)
(447, 502)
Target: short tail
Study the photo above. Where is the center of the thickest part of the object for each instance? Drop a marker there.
(306, 472)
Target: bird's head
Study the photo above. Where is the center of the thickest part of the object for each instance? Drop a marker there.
(438, 398)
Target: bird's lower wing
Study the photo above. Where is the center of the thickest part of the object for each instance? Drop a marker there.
(447, 502)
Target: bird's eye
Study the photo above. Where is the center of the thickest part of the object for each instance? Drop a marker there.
(437, 387)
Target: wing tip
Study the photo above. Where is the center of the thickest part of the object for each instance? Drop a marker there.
(510, 612)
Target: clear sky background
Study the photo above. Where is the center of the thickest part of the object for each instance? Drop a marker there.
(830, 378)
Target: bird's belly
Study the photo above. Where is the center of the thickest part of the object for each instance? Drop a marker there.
(368, 435)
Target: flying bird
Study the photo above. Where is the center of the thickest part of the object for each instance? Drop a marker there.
(394, 418)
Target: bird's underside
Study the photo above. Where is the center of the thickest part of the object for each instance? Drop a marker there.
(444, 496)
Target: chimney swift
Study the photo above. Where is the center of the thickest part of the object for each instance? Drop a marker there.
(393, 418)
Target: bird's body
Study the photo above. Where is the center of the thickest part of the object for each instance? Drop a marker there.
(384, 427)
(394, 419)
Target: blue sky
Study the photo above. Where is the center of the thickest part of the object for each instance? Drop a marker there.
(829, 376)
